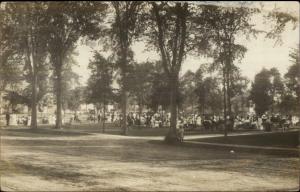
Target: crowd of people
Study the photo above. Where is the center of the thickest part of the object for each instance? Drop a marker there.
(206, 122)
(186, 121)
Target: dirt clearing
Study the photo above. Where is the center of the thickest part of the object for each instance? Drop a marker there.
(110, 162)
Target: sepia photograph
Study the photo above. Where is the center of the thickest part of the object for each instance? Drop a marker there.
(149, 96)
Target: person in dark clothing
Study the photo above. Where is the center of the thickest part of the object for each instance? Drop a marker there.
(99, 118)
(7, 119)
(113, 117)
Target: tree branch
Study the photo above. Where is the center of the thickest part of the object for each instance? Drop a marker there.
(160, 38)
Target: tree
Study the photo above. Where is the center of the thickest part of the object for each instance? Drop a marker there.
(69, 82)
(239, 90)
(225, 25)
(239, 83)
(31, 21)
(75, 99)
(187, 84)
(290, 95)
(260, 92)
(14, 98)
(68, 22)
(11, 78)
(288, 104)
(124, 30)
(205, 91)
(140, 83)
(99, 89)
(277, 87)
(168, 33)
(10, 60)
(160, 91)
(209, 95)
(292, 77)
(180, 30)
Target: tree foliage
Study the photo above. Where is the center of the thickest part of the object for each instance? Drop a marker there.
(10, 62)
(30, 44)
(141, 77)
(293, 75)
(122, 33)
(260, 92)
(69, 22)
(99, 88)
(167, 32)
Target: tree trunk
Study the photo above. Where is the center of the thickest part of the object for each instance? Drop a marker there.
(140, 111)
(31, 63)
(229, 111)
(204, 100)
(202, 109)
(95, 114)
(103, 123)
(34, 102)
(229, 96)
(124, 112)
(273, 102)
(58, 98)
(228, 90)
(224, 103)
(172, 134)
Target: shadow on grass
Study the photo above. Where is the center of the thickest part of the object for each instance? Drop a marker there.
(40, 132)
(146, 131)
(43, 170)
(154, 154)
(217, 149)
(277, 139)
(288, 140)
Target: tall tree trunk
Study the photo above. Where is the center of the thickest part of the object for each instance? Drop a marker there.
(31, 63)
(229, 96)
(204, 100)
(203, 109)
(95, 113)
(140, 111)
(224, 103)
(124, 111)
(228, 73)
(273, 102)
(33, 123)
(104, 117)
(229, 110)
(59, 97)
(173, 83)
(124, 87)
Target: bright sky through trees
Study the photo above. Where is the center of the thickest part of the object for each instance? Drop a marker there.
(261, 52)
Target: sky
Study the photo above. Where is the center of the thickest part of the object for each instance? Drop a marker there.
(261, 52)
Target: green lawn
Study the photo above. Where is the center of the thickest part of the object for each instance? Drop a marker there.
(277, 139)
(40, 132)
(90, 128)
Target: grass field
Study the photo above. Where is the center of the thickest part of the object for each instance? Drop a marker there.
(277, 139)
(138, 130)
(113, 129)
(64, 160)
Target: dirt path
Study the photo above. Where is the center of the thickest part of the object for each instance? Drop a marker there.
(110, 162)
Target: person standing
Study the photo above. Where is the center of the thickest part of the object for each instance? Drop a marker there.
(7, 116)
(113, 117)
(180, 132)
(259, 123)
(99, 118)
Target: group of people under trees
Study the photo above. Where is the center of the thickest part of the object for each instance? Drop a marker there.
(205, 122)
(187, 121)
